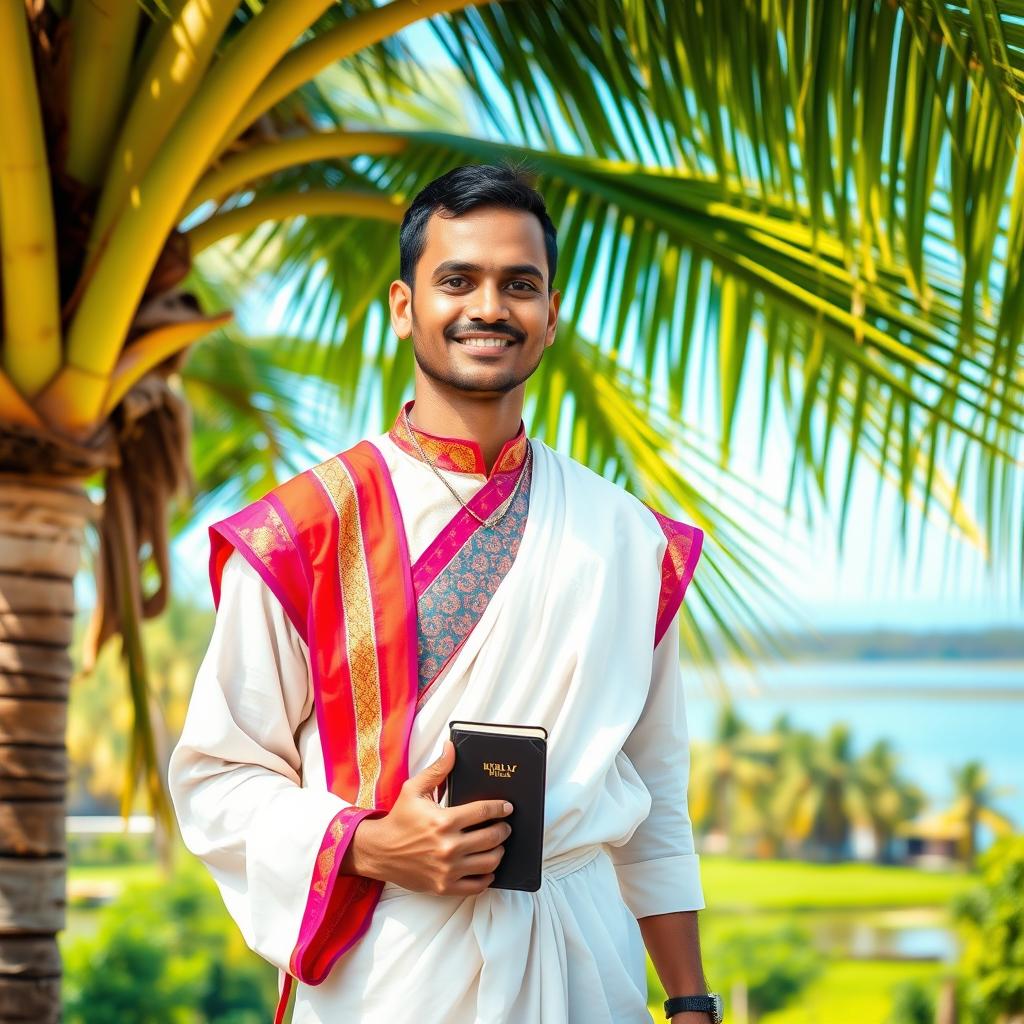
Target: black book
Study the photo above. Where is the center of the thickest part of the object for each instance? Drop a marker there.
(505, 762)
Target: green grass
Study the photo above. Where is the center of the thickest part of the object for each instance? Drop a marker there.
(732, 885)
(112, 874)
(855, 992)
(846, 992)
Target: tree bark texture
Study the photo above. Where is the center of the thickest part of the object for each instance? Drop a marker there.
(42, 522)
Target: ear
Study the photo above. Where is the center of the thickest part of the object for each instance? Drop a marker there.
(554, 301)
(400, 301)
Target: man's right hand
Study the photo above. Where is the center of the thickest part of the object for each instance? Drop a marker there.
(424, 847)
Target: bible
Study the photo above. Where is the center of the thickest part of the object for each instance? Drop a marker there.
(505, 762)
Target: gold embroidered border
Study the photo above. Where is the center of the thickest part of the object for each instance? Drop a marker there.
(265, 540)
(673, 565)
(360, 633)
(445, 454)
(513, 458)
(325, 860)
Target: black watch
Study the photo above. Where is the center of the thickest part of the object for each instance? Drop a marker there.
(711, 1004)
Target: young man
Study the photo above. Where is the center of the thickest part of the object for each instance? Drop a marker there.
(451, 569)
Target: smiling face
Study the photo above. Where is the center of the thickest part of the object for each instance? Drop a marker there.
(480, 314)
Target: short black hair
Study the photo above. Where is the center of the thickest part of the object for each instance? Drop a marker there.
(466, 188)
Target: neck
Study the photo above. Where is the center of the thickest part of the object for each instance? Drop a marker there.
(488, 420)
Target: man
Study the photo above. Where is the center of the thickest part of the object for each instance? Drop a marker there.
(450, 569)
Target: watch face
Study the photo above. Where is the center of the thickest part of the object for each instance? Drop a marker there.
(716, 1013)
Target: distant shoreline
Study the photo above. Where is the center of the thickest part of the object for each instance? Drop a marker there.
(873, 646)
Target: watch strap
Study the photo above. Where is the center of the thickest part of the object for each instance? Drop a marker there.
(691, 1004)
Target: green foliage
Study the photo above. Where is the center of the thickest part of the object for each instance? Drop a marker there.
(167, 954)
(912, 1003)
(992, 917)
(103, 849)
(100, 712)
(774, 966)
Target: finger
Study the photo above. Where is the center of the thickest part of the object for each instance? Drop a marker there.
(426, 781)
(470, 886)
(477, 812)
(479, 840)
(480, 863)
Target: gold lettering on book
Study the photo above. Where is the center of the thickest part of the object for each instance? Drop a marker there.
(500, 771)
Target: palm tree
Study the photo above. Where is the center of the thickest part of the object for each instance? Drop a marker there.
(689, 154)
(891, 800)
(973, 806)
(824, 792)
(764, 819)
(727, 779)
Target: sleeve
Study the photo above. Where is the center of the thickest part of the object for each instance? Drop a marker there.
(658, 868)
(272, 846)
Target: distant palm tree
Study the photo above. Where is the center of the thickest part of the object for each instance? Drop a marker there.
(724, 780)
(973, 802)
(824, 793)
(818, 192)
(890, 799)
(765, 821)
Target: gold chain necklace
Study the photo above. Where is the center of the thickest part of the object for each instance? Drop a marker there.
(499, 513)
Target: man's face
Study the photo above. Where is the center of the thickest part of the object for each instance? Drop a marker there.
(480, 314)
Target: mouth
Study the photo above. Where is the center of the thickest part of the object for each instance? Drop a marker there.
(484, 341)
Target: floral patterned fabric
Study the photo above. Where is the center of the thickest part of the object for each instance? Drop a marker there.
(451, 606)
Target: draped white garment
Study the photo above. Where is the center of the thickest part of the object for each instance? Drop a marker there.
(567, 643)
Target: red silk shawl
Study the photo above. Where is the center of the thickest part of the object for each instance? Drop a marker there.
(331, 546)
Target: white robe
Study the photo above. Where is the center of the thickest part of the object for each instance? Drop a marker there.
(567, 643)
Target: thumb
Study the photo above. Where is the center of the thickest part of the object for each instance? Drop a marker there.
(434, 774)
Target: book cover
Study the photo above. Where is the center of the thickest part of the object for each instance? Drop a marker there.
(495, 761)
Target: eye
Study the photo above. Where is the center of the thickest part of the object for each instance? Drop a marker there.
(529, 286)
(455, 281)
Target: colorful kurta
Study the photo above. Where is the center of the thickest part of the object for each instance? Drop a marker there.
(561, 616)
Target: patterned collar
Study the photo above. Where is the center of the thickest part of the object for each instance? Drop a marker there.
(457, 455)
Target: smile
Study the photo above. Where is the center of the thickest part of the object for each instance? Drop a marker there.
(485, 342)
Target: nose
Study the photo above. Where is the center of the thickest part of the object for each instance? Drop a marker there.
(488, 304)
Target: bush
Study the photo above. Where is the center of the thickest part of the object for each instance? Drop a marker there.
(110, 848)
(167, 954)
(775, 965)
(992, 918)
(912, 1004)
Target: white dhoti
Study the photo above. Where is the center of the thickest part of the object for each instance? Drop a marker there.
(570, 951)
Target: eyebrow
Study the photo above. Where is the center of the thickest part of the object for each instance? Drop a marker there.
(459, 267)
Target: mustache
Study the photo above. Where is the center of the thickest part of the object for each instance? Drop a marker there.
(458, 331)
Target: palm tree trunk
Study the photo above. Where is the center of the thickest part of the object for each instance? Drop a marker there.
(42, 522)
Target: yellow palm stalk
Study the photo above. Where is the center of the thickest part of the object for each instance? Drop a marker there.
(254, 163)
(102, 40)
(342, 41)
(152, 349)
(31, 328)
(170, 80)
(126, 254)
(311, 203)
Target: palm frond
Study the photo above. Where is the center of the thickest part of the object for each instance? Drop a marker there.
(671, 280)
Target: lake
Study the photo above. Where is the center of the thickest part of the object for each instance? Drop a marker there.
(937, 715)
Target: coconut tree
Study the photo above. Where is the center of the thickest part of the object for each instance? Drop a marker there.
(823, 191)
(891, 799)
(726, 779)
(825, 792)
(973, 805)
(764, 819)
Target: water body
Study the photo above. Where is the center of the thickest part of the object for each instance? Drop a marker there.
(937, 715)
